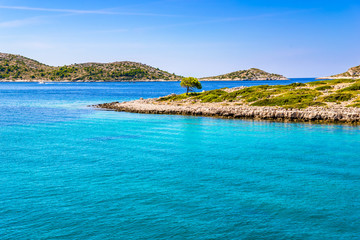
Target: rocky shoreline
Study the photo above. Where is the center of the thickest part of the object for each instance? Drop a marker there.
(132, 81)
(87, 81)
(334, 114)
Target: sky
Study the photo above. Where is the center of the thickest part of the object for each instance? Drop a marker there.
(296, 38)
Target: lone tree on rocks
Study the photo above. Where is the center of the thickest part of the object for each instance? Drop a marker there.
(190, 83)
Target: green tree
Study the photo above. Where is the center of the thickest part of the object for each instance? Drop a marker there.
(190, 83)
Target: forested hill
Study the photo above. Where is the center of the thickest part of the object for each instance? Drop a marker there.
(16, 67)
(250, 74)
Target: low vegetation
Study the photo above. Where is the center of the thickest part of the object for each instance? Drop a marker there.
(338, 97)
(297, 95)
(322, 88)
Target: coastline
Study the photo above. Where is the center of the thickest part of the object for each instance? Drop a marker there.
(349, 115)
(86, 81)
(132, 81)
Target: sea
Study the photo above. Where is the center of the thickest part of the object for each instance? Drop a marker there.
(70, 171)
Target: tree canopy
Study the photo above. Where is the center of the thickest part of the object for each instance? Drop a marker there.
(190, 83)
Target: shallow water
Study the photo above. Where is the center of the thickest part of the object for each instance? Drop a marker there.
(68, 171)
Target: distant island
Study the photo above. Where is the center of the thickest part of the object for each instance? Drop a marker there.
(352, 73)
(250, 74)
(320, 101)
(16, 67)
(19, 68)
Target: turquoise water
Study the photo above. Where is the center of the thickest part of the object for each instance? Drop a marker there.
(68, 171)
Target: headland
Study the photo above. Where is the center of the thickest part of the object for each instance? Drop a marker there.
(333, 101)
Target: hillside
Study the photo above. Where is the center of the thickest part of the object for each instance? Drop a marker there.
(16, 67)
(250, 74)
(353, 72)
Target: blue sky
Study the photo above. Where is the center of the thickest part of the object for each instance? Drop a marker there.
(188, 37)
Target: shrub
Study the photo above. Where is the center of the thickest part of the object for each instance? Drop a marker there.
(297, 84)
(336, 81)
(353, 87)
(338, 97)
(174, 97)
(318, 83)
(212, 96)
(295, 98)
(322, 88)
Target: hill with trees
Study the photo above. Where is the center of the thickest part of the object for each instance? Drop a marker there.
(250, 74)
(16, 67)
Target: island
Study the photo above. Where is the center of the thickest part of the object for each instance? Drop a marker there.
(320, 101)
(253, 74)
(352, 73)
(17, 68)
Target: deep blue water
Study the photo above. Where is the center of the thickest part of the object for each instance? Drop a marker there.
(68, 171)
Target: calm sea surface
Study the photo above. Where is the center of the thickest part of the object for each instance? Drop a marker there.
(68, 171)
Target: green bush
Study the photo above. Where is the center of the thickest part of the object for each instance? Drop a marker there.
(212, 96)
(336, 81)
(317, 83)
(176, 97)
(353, 87)
(322, 88)
(298, 98)
(338, 97)
(331, 82)
(297, 84)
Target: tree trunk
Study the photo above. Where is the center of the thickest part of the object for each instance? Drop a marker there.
(187, 90)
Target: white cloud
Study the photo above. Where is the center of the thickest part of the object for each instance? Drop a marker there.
(19, 22)
(56, 10)
(79, 11)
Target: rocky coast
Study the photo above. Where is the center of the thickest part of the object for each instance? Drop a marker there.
(335, 101)
(311, 114)
(351, 73)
